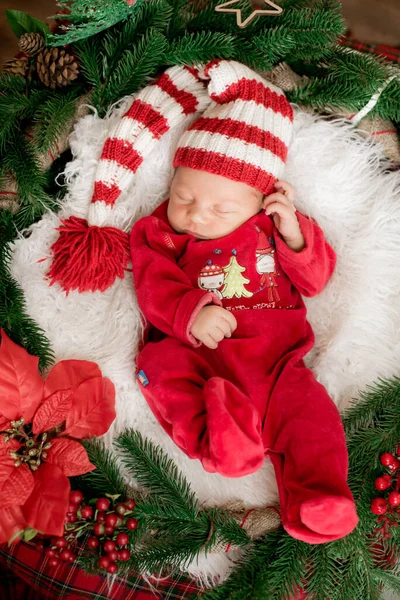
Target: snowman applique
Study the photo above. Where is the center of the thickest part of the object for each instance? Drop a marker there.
(265, 266)
(211, 278)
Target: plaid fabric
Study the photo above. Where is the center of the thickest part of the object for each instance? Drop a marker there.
(387, 52)
(24, 570)
(24, 561)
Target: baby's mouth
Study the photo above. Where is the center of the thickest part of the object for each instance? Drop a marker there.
(196, 235)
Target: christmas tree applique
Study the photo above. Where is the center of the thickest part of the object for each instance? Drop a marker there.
(234, 281)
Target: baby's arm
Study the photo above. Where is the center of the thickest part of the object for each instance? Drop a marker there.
(304, 254)
(165, 294)
(310, 269)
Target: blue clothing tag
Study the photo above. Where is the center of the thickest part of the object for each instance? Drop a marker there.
(142, 378)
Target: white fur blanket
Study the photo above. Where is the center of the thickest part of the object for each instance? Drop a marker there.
(340, 180)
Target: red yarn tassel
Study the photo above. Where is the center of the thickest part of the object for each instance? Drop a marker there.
(88, 258)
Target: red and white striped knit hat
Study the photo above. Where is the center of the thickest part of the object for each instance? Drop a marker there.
(244, 133)
(90, 254)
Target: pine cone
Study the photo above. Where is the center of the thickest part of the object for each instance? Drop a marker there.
(31, 43)
(17, 66)
(56, 68)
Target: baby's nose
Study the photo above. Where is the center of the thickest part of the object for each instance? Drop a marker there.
(198, 216)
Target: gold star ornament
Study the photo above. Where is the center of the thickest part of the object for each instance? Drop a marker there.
(225, 8)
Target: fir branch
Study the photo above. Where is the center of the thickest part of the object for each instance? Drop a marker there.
(156, 472)
(34, 201)
(249, 580)
(226, 529)
(320, 573)
(349, 81)
(156, 14)
(106, 478)
(159, 557)
(389, 579)
(14, 107)
(89, 53)
(133, 70)
(13, 317)
(180, 14)
(289, 568)
(52, 118)
(194, 48)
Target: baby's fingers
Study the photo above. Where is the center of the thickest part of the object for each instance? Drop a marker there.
(286, 188)
(283, 210)
(278, 197)
(209, 342)
(230, 319)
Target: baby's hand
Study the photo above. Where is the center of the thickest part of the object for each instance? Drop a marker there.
(212, 324)
(281, 206)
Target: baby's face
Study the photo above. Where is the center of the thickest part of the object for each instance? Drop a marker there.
(209, 206)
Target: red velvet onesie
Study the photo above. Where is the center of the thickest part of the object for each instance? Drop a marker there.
(251, 396)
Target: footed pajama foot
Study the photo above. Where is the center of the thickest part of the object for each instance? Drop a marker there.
(235, 447)
(324, 519)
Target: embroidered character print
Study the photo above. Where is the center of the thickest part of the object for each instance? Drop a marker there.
(211, 278)
(265, 266)
(234, 280)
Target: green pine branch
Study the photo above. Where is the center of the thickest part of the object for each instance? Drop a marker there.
(200, 47)
(52, 118)
(13, 317)
(156, 473)
(107, 478)
(34, 201)
(349, 79)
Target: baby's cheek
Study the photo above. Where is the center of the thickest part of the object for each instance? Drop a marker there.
(176, 217)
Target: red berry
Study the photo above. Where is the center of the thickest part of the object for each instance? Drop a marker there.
(122, 539)
(87, 512)
(387, 459)
(383, 483)
(93, 542)
(109, 546)
(54, 562)
(60, 542)
(102, 504)
(394, 499)
(121, 509)
(72, 508)
(112, 555)
(394, 466)
(101, 516)
(378, 506)
(112, 568)
(71, 518)
(130, 503)
(98, 529)
(50, 552)
(76, 497)
(104, 562)
(124, 554)
(72, 557)
(39, 545)
(111, 520)
(132, 523)
(65, 554)
(109, 530)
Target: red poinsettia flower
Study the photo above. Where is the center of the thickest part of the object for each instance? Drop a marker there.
(40, 422)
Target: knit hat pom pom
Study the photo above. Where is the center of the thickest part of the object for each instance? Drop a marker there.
(88, 258)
